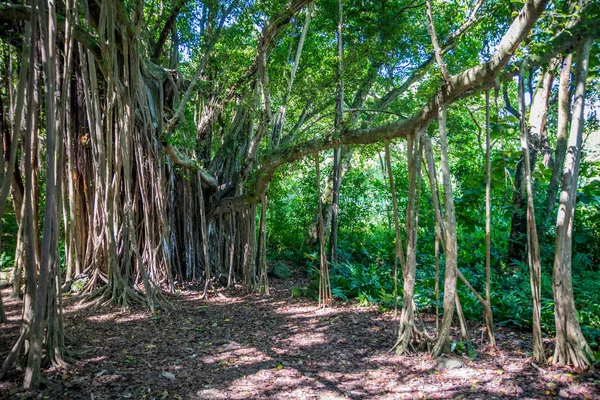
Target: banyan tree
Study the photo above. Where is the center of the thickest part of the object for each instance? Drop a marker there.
(159, 125)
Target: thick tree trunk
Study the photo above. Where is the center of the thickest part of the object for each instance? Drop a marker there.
(571, 346)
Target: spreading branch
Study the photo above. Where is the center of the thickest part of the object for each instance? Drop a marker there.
(471, 81)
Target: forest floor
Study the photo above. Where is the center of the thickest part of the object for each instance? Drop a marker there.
(237, 345)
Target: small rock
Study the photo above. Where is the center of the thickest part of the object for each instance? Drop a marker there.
(449, 363)
(281, 270)
(167, 375)
(563, 393)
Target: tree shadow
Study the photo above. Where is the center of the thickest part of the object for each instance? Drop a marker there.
(237, 345)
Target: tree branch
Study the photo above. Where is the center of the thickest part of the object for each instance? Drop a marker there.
(188, 163)
(450, 92)
(169, 24)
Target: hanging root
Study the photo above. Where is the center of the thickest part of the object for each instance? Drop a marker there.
(411, 338)
(404, 340)
(424, 332)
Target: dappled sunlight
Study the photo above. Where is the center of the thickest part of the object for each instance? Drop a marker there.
(239, 346)
(131, 317)
(301, 340)
(235, 354)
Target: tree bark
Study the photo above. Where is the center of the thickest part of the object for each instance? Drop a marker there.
(398, 250)
(571, 346)
(561, 135)
(324, 283)
(489, 319)
(451, 247)
(337, 153)
(533, 249)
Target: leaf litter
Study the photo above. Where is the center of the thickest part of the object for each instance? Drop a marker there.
(245, 346)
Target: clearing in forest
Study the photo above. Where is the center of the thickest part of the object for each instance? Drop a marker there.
(237, 345)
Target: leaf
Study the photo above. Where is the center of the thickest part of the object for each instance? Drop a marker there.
(280, 366)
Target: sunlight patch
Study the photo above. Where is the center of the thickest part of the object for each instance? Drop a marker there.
(131, 317)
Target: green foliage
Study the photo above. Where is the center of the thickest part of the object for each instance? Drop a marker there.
(9, 237)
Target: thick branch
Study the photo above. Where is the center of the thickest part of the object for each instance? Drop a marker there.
(169, 24)
(188, 163)
(457, 85)
(437, 51)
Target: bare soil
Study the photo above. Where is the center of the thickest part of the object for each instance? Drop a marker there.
(236, 345)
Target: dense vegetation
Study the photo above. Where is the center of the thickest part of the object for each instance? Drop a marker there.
(367, 238)
(430, 156)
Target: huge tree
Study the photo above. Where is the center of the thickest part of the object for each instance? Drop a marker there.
(159, 140)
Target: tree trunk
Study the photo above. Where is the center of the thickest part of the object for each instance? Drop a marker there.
(324, 283)
(571, 346)
(533, 248)
(451, 248)
(337, 153)
(561, 135)
(489, 319)
(261, 258)
(406, 328)
(2, 313)
(537, 140)
(398, 250)
(49, 257)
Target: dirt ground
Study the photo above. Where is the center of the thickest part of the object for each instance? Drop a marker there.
(237, 345)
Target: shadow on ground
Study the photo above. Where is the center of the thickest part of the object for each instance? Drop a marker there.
(239, 346)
